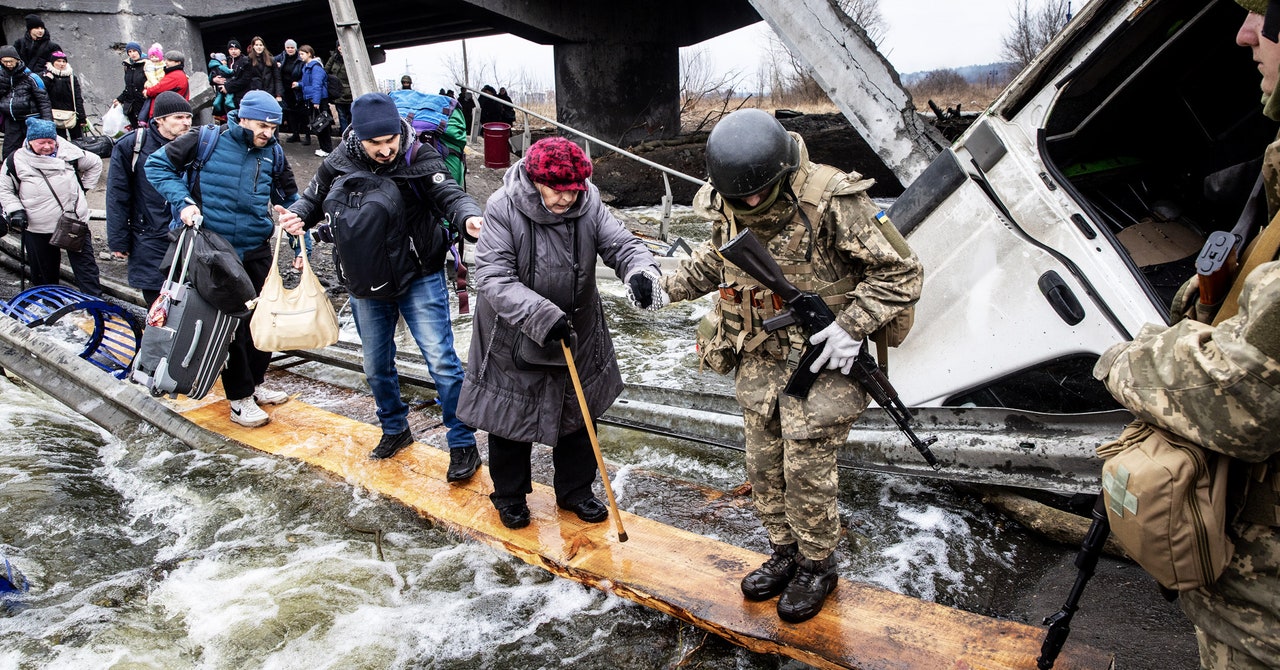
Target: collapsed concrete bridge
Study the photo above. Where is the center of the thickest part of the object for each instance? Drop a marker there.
(616, 64)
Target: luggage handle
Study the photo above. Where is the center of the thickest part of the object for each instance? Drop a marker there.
(195, 344)
(190, 248)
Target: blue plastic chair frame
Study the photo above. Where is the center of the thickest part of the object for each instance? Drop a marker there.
(116, 333)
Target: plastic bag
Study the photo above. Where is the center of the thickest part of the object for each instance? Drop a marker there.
(114, 121)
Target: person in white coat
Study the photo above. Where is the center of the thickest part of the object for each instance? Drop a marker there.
(47, 176)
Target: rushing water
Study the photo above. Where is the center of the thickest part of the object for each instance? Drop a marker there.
(144, 553)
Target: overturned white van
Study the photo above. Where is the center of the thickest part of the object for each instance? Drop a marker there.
(1069, 213)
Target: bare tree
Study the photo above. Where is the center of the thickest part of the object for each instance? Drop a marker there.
(865, 13)
(1033, 29)
(704, 95)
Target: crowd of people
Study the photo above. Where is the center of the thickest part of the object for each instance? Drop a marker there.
(538, 240)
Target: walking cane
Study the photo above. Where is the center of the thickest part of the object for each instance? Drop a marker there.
(595, 443)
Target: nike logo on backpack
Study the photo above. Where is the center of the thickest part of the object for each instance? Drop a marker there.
(379, 287)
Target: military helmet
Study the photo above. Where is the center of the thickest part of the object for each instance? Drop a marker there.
(747, 152)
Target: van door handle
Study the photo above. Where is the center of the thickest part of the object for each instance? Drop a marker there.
(1061, 298)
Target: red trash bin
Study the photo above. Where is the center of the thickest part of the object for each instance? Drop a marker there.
(497, 145)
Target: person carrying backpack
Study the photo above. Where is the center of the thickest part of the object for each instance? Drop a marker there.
(22, 94)
(138, 216)
(400, 244)
(233, 188)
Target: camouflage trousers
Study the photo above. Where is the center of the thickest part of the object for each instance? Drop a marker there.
(1237, 619)
(793, 485)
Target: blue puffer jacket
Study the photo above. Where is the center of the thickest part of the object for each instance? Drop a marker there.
(315, 82)
(137, 215)
(235, 184)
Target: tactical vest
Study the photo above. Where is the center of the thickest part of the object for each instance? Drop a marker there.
(744, 305)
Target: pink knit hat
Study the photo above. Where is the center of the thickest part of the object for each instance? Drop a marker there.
(156, 51)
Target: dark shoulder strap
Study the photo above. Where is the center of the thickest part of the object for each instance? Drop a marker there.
(209, 136)
(13, 173)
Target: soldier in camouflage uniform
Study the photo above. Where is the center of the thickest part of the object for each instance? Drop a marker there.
(1219, 386)
(830, 239)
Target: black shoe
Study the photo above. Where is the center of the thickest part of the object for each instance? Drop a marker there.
(770, 579)
(292, 139)
(804, 596)
(515, 515)
(306, 141)
(390, 444)
(463, 462)
(590, 510)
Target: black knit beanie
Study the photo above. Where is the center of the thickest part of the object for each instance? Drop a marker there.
(169, 102)
(34, 21)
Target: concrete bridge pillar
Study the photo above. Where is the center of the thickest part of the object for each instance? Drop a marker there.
(620, 93)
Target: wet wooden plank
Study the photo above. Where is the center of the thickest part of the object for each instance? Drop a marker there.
(682, 574)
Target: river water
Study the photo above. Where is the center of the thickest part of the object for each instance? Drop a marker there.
(142, 552)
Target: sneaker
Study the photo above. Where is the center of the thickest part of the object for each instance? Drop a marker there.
(390, 444)
(247, 413)
(321, 153)
(267, 396)
(463, 462)
(770, 579)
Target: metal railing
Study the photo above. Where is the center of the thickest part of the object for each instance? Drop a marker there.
(666, 171)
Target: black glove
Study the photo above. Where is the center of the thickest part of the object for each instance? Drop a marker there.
(559, 330)
(641, 285)
(323, 233)
(18, 220)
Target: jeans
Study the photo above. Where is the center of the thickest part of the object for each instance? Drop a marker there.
(425, 308)
(344, 116)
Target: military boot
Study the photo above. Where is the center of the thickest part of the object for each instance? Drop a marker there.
(769, 579)
(803, 597)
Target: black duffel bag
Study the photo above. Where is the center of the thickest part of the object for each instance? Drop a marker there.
(95, 144)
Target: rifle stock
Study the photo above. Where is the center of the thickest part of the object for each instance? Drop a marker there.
(812, 314)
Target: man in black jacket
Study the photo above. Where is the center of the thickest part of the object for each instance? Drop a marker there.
(378, 142)
(35, 48)
(137, 215)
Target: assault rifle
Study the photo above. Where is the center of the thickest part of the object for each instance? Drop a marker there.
(1059, 623)
(812, 315)
(1217, 265)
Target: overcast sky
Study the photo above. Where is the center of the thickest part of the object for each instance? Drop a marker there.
(920, 35)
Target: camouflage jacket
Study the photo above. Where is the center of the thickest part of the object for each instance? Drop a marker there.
(846, 243)
(1217, 386)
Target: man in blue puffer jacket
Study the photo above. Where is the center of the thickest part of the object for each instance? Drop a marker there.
(235, 193)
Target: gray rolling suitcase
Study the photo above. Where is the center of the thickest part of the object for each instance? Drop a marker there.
(184, 353)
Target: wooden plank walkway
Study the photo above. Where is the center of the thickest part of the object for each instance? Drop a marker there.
(683, 574)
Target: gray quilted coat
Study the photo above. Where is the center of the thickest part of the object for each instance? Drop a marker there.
(531, 267)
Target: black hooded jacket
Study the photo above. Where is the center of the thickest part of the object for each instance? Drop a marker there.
(429, 192)
(36, 53)
(22, 94)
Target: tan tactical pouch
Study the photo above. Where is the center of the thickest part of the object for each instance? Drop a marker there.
(1166, 500)
(894, 332)
(715, 351)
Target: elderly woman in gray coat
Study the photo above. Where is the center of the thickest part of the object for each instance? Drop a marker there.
(535, 281)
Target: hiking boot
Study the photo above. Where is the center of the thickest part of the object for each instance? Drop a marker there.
(515, 515)
(463, 462)
(268, 396)
(769, 579)
(247, 413)
(803, 597)
(590, 510)
(391, 443)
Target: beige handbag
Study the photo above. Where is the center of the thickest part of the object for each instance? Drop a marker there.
(64, 118)
(296, 318)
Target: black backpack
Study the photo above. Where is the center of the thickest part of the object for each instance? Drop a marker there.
(373, 250)
(334, 84)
